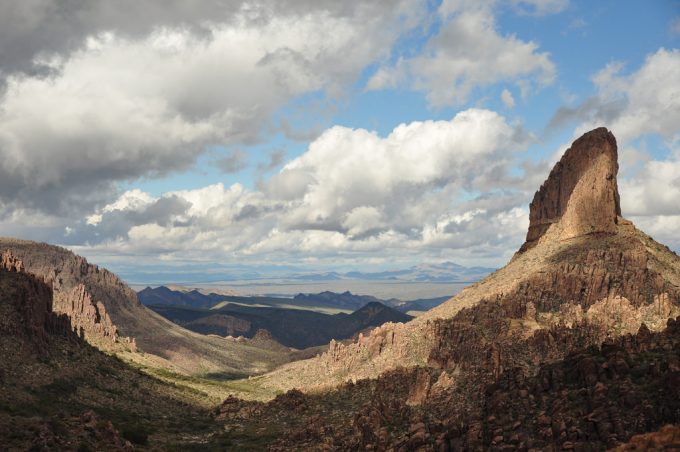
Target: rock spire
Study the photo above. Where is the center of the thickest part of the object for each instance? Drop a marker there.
(581, 195)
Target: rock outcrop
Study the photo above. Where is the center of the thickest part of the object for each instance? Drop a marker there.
(32, 303)
(89, 318)
(581, 194)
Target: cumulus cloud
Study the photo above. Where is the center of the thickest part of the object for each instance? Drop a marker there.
(468, 52)
(426, 185)
(646, 101)
(141, 92)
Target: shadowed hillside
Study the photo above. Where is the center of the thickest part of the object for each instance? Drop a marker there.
(59, 393)
(110, 317)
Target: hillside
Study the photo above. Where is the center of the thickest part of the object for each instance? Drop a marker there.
(108, 315)
(584, 276)
(296, 328)
(59, 393)
(582, 263)
(593, 399)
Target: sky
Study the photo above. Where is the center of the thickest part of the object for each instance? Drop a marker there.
(323, 134)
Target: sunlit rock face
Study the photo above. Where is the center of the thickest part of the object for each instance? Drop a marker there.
(581, 195)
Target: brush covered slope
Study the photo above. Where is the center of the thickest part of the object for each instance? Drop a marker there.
(107, 313)
(530, 333)
(57, 392)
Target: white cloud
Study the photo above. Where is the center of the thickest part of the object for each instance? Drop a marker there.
(352, 191)
(467, 53)
(653, 191)
(119, 107)
(650, 95)
(508, 100)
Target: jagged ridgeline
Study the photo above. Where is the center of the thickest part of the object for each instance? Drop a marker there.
(104, 311)
(57, 392)
(585, 275)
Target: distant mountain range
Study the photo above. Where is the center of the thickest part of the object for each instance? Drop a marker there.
(444, 272)
(296, 328)
(323, 302)
(306, 320)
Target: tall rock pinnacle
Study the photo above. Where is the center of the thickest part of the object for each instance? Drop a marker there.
(581, 195)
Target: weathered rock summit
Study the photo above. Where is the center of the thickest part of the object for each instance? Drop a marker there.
(581, 195)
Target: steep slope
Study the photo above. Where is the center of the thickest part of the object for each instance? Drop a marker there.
(584, 274)
(593, 399)
(107, 313)
(59, 393)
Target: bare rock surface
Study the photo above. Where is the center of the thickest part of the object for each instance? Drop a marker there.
(581, 194)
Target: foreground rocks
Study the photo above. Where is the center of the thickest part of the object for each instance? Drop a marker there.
(595, 398)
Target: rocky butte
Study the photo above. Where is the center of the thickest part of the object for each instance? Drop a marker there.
(517, 360)
(581, 195)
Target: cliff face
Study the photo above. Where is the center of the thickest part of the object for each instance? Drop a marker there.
(581, 195)
(72, 282)
(30, 316)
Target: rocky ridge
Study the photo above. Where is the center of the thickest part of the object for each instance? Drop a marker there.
(107, 314)
(89, 318)
(585, 277)
(582, 264)
(595, 398)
